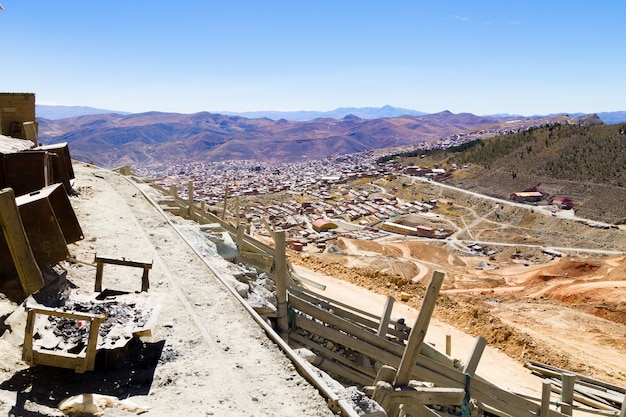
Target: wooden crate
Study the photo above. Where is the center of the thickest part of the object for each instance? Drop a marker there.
(26, 171)
(61, 162)
(50, 223)
(19, 273)
(79, 362)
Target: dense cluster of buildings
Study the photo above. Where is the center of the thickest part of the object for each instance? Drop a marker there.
(321, 191)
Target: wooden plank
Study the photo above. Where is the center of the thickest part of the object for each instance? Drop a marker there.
(262, 261)
(190, 203)
(348, 341)
(302, 280)
(418, 333)
(477, 351)
(427, 349)
(324, 299)
(342, 324)
(428, 369)
(481, 390)
(338, 369)
(330, 354)
(428, 395)
(556, 372)
(28, 272)
(123, 262)
(583, 398)
(241, 231)
(337, 310)
(383, 326)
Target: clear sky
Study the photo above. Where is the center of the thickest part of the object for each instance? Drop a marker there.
(483, 57)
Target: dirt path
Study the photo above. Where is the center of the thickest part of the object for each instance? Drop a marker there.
(208, 356)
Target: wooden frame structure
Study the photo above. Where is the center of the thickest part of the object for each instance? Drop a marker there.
(101, 260)
(79, 362)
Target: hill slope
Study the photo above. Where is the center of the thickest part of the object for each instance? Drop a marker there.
(111, 140)
(584, 162)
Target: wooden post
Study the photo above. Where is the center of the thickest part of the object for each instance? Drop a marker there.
(623, 411)
(546, 390)
(173, 191)
(567, 392)
(225, 201)
(418, 332)
(282, 320)
(449, 344)
(240, 235)
(190, 198)
(237, 211)
(99, 273)
(472, 362)
(11, 225)
(384, 320)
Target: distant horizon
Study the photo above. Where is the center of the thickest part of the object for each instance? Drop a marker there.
(228, 112)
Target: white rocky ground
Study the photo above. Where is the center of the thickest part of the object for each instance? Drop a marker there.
(206, 355)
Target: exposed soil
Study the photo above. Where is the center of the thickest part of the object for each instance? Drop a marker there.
(567, 312)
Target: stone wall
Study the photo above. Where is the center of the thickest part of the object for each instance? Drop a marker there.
(15, 109)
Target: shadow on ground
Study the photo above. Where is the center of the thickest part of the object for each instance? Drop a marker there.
(46, 386)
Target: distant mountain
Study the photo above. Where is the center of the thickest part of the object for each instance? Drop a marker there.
(111, 140)
(340, 113)
(613, 117)
(62, 112)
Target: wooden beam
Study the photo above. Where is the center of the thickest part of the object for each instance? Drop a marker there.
(477, 352)
(567, 392)
(418, 332)
(101, 260)
(190, 212)
(282, 320)
(330, 354)
(384, 320)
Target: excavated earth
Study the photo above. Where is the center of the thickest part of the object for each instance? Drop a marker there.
(567, 312)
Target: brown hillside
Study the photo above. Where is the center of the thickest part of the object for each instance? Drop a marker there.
(110, 140)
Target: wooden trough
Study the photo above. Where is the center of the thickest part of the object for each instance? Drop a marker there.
(113, 320)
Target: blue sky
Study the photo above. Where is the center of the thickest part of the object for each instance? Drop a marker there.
(482, 57)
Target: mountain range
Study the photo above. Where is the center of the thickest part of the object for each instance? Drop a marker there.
(62, 112)
(111, 139)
